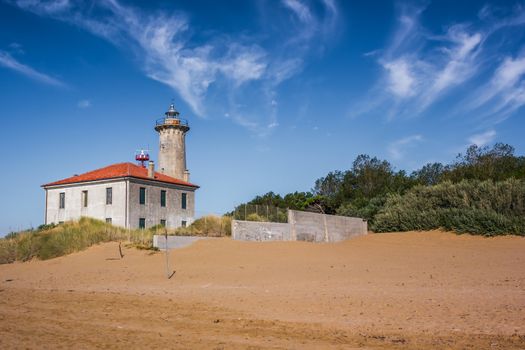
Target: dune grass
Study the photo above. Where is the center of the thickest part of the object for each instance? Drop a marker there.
(53, 241)
(210, 226)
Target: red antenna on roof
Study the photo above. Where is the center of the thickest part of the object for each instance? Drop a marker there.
(142, 156)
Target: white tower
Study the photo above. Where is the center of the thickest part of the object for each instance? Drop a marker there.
(172, 148)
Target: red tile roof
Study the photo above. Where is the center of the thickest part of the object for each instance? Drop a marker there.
(119, 170)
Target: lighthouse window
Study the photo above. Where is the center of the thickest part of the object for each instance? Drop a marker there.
(109, 195)
(183, 201)
(162, 198)
(84, 199)
(62, 201)
(142, 195)
(142, 223)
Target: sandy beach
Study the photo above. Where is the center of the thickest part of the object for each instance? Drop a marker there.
(414, 290)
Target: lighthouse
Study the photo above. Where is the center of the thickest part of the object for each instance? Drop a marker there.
(172, 144)
(132, 195)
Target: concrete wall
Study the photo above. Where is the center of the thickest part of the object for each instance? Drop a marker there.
(314, 227)
(260, 231)
(174, 242)
(97, 207)
(301, 226)
(153, 212)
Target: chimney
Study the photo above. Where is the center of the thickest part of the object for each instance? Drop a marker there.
(151, 169)
(186, 175)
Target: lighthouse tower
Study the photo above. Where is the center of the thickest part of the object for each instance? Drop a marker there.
(172, 148)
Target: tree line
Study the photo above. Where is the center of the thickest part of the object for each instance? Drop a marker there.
(449, 194)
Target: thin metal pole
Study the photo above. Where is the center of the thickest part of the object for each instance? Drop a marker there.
(167, 255)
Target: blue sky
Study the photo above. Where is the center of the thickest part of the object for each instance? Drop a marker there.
(277, 93)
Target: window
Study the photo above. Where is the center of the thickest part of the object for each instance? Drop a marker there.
(183, 223)
(162, 198)
(84, 198)
(108, 220)
(163, 222)
(62, 200)
(109, 195)
(142, 195)
(142, 223)
(183, 201)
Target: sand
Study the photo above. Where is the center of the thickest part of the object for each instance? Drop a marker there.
(415, 290)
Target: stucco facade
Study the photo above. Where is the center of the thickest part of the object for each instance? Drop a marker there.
(172, 152)
(153, 212)
(96, 202)
(125, 208)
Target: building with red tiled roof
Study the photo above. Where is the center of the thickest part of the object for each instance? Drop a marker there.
(130, 195)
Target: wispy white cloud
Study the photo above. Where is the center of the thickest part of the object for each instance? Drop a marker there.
(401, 79)
(505, 92)
(459, 63)
(16, 48)
(398, 148)
(56, 6)
(84, 104)
(421, 69)
(309, 24)
(482, 139)
(8, 61)
(300, 10)
(163, 42)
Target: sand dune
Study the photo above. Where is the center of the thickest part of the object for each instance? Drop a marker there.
(403, 290)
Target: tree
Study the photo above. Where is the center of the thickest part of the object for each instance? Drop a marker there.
(483, 163)
(430, 174)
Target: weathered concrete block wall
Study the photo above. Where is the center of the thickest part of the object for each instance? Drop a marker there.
(159, 241)
(260, 231)
(314, 227)
(301, 226)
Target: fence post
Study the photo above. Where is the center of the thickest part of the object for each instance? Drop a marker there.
(167, 254)
(291, 222)
(325, 228)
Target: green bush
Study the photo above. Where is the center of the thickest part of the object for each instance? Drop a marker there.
(210, 225)
(480, 207)
(254, 217)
